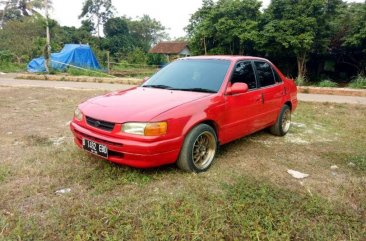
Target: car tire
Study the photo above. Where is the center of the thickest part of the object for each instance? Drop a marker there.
(283, 122)
(198, 150)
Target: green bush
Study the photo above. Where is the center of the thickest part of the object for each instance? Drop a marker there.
(156, 59)
(123, 64)
(300, 81)
(12, 67)
(358, 83)
(327, 83)
(85, 72)
(6, 56)
(137, 56)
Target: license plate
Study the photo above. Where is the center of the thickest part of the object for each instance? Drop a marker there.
(95, 148)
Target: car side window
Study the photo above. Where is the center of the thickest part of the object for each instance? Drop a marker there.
(244, 73)
(277, 76)
(264, 73)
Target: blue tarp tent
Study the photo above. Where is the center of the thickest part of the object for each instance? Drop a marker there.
(80, 55)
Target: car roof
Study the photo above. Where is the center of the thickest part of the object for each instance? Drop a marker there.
(225, 57)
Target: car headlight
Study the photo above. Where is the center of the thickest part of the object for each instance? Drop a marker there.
(78, 115)
(145, 129)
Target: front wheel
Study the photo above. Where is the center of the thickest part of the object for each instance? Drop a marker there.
(283, 122)
(198, 150)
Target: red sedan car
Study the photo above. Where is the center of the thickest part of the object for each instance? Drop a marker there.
(185, 111)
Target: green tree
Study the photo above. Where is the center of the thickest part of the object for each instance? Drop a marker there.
(225, 27)
(199, 29)
(21, 37)
(356, 15)
(124, 35)
(98, 12)
(352, 25)
(116, 26)
(87, 26)
(117, 37)
(146, 31)
(295, 27)
(16, 9)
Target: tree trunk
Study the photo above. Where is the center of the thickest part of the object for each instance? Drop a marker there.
(98, 28)
(301, 65)
(23, 8)
(19, 59)
(204, 44)
(241, 48)
(301, 68)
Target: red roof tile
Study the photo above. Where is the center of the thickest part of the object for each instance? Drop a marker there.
(168, 48)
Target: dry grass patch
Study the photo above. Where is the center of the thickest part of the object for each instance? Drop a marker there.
(247, 194)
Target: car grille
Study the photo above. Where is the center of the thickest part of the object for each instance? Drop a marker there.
(104, 125)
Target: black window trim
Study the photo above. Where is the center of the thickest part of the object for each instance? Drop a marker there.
(274, 72)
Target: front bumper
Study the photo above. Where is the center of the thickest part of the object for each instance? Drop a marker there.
(132, 153)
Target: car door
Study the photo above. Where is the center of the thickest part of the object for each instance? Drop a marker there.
(242, 110)
(272, 91)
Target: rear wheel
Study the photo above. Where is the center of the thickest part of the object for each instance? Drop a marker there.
(283, 122)
(198, 150)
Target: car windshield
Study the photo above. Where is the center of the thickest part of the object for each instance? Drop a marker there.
(191, 75)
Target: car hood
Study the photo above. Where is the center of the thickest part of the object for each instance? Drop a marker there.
(137, 104)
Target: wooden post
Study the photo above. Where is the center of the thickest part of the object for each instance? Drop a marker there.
(108, 63)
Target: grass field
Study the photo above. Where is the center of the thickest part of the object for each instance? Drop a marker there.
(246, 195)
(133, 71)
(12, 68)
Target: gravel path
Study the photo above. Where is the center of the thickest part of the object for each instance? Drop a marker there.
(6, 80)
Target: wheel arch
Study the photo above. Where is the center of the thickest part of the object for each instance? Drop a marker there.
(208, 122)
(289, 104)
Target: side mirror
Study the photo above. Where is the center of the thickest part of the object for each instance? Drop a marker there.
(237, 88)
(145, 79)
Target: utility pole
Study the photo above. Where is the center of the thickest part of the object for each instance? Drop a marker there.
(108, 62)
(48, 45)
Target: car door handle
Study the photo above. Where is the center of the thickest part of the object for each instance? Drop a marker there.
(261, 99)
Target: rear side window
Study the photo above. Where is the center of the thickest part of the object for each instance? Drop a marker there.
(244, 73)
(265, 74)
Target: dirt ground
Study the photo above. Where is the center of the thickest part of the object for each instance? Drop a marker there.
(247, 194)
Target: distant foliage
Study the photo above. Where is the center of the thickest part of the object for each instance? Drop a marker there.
(6, 56)
(17, 9)
(327, 83)
(225, 27)
(294, 34)
(97, 12)
(300, 80)
(137, 56)
(124, 37)
(359, 82)
(21, 38)
(156, 59)
(300, 37)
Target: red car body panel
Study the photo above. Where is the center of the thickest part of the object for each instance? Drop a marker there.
(232, 116)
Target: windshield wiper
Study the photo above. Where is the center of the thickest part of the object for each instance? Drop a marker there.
(159, 86)
(172, 88)
(198, 90)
